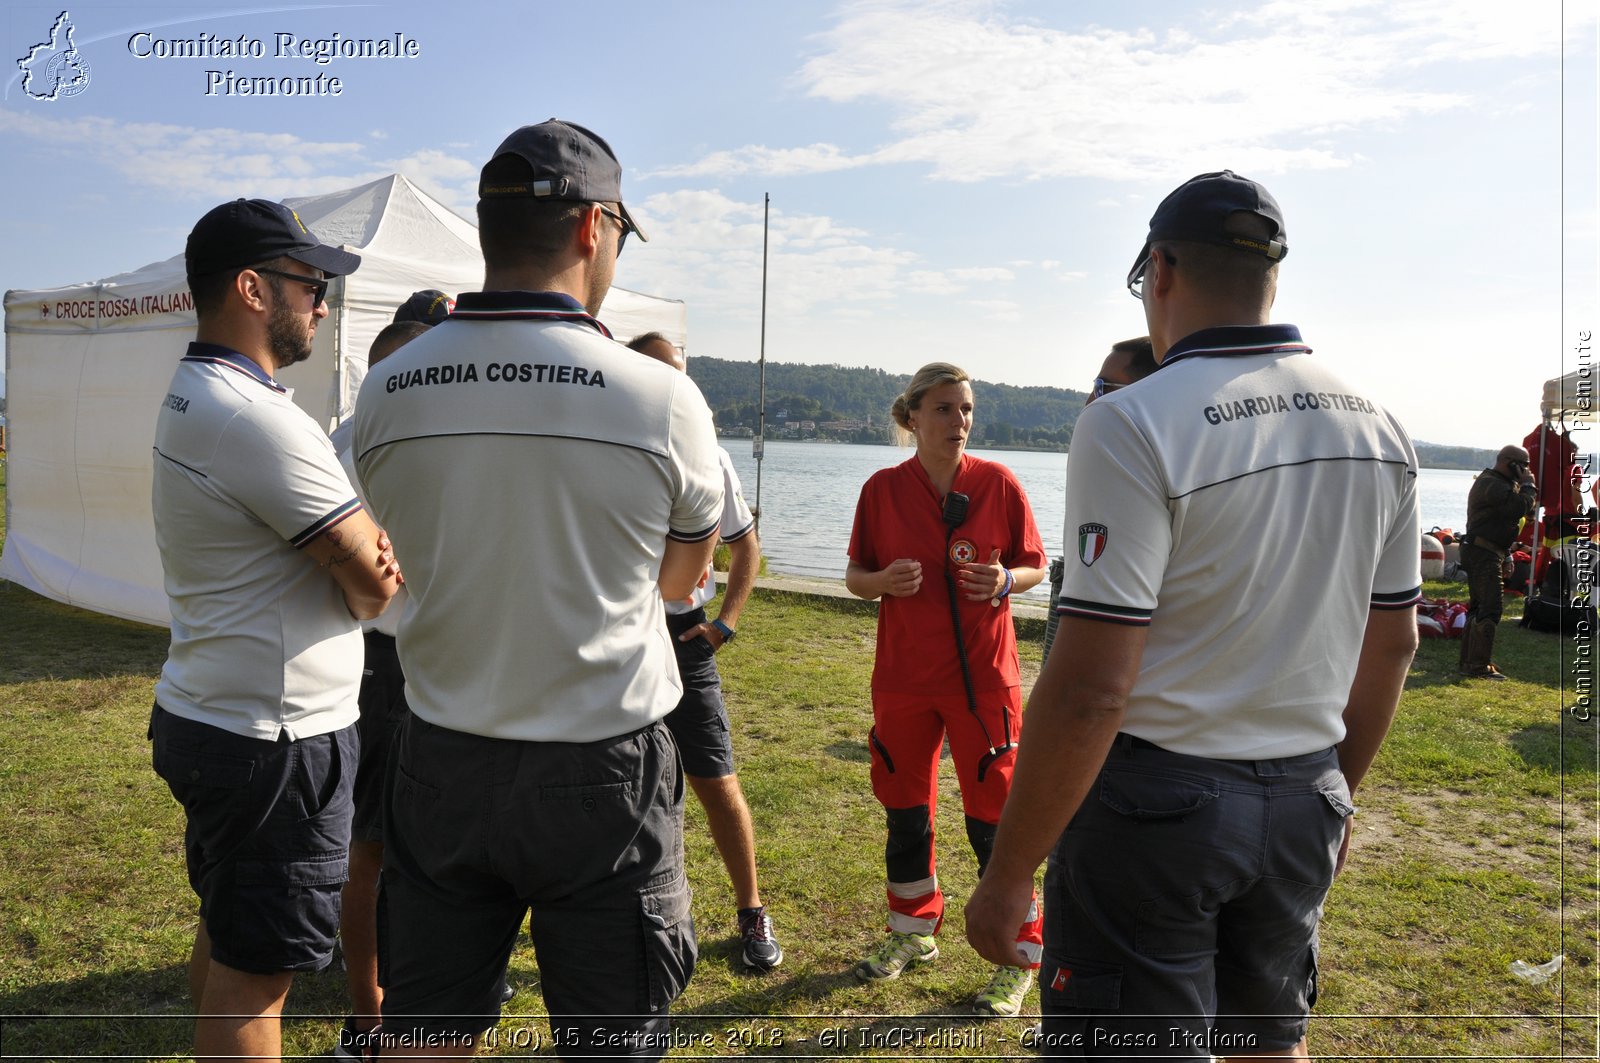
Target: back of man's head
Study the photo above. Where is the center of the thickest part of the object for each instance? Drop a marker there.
(1225, 235)
(655, 345)
(394, 336)
(1136, 359)
(535, 188)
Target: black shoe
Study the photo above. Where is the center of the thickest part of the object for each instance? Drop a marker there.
(354, 1044)
(761, 950)
(1488, 672)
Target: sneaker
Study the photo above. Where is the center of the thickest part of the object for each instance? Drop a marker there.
(761, 950)
(506, 992)
(897, 952)
(357, 1044)
(1003, 995)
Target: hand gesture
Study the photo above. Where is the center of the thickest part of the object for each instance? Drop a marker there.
(980, 581)
(902, 578)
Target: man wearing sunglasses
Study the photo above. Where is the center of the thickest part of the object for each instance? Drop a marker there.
(269, 561)
(1130, 361)
(1500, 500)
(1236, 627)
(553, 487)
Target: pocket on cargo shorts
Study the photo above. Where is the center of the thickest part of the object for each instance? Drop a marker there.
(670, 948)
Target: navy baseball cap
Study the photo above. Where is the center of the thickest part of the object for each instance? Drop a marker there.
(248, 232)
(567, 161)
(429, 306)
(1199, 210)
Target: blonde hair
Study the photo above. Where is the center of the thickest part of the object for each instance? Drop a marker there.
(933, 375)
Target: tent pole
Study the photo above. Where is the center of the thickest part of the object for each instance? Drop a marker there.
(761, 387)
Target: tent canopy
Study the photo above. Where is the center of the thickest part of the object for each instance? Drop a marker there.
(1569, 399)
(87, 366)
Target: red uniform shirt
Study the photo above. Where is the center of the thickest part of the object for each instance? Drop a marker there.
(900, 514)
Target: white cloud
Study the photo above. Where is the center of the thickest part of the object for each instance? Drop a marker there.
(214, 163)
(997, 309)
(983, 275)
(979, 94)
(758, 159)
(706, 248)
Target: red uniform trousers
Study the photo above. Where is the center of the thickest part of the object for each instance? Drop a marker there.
(907, 735)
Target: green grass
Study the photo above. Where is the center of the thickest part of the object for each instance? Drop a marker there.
(1476, 846)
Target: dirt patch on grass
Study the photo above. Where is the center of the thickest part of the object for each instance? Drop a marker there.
(1457, 829)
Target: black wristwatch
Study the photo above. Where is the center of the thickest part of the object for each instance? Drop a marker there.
(728, 634)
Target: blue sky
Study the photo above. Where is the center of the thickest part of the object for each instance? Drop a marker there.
(961, 180)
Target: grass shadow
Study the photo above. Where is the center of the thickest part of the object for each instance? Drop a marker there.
(1568, 749)
(48, 640)
(144, 1013)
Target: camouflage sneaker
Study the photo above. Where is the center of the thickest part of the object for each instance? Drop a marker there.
(1003, 995)
(896, 953)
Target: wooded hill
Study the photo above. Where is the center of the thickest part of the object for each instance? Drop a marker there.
(852, 404)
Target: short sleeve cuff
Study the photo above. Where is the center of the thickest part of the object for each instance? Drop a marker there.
(691, 537)
(1110, 614)
(1400, 600)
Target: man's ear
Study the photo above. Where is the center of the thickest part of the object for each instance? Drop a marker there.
(1160, 276)
(590, 231)
(250, 286)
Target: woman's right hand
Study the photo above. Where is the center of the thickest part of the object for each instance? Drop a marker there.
(903, 578)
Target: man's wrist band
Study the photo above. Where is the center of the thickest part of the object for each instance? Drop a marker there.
(727, 632)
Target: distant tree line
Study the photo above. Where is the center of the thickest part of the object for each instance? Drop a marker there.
(851, 404)
(855, 403)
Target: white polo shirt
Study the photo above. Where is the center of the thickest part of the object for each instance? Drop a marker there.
(343, 438)
(737, 522)
(1250, 509)
(262, 640)
(529, 470)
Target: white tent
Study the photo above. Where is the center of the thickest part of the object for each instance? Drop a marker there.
(1569, 399)
(87, 366)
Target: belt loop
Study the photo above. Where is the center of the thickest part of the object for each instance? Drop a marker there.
(1270, 769)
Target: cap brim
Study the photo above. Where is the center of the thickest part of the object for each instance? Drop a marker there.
(330, 260)
(1133, 272)
(633, 225)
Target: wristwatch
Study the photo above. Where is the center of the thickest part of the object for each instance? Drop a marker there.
(728, 633)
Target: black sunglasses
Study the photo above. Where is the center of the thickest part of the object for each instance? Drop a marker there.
(622, 223)
(318, 286)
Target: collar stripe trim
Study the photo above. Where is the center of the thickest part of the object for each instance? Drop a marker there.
(227, 363)
(525, 315)
(1255, 348)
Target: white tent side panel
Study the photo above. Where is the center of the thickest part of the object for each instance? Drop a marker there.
(87, 367)
(1570, 399)
(82, 409)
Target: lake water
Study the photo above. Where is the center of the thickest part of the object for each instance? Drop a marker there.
(809, 490)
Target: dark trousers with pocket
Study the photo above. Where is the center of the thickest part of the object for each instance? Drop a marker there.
(588, 836)
(1181, 905)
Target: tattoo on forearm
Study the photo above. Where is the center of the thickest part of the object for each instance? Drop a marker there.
(337, 538)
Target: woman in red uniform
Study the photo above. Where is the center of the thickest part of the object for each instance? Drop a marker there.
(943, 540)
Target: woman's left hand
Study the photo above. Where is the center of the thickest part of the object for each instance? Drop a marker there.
(978, 582)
